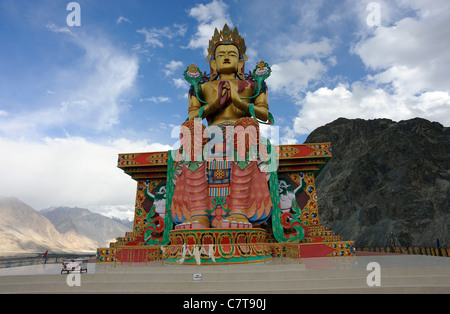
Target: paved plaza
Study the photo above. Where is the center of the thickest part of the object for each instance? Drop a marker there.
(361, 274)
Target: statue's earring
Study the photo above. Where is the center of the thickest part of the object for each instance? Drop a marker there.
(213, 68)
(241, 70)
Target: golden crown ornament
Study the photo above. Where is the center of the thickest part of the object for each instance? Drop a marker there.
(226, 37)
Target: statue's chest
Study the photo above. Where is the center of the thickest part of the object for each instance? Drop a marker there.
(244, 88)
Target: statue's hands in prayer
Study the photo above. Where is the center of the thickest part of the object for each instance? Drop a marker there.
(224, 92)
(236, 99)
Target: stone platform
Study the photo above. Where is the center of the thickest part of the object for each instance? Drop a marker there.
(404, 274)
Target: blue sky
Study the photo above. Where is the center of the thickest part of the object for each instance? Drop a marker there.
(73, 97)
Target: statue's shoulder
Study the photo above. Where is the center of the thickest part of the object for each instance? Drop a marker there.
(209, 85)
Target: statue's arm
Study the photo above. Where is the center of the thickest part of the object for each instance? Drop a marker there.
(262, 106)
(195, 105)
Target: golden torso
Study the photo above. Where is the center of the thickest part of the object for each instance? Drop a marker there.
(233, 110)
(229, 105)
(228, 112)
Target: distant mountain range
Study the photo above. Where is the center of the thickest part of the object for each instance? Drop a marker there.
(387, 181)
(57, 229)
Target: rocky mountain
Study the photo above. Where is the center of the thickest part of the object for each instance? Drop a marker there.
(126, 222)
(96, 227)
(25, 230)
(387, 181)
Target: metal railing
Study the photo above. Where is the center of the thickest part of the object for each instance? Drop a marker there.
(415, 250)
(7, 262)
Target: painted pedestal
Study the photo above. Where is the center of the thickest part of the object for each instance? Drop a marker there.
(298, 167)
(217, 246)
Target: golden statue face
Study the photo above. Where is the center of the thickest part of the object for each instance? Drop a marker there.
(227, 59)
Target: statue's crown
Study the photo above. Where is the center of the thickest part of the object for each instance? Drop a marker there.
(226, 37)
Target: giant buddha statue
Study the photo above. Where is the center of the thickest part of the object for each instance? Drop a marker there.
(223, 185)
(226, 190)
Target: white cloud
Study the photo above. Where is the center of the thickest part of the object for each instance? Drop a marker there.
(413, 53)
(297, 50)
(367, 102)
(209, 16)
(154, 36)
(289, 137)
(299, 65)
(292, 77)
(413, 57)
(172, 66)
(89, 95)
(434, 105)
(180, 83)
(70, 172)
(180, 30)
(409, 59)
(110, 74)
(122, 19)
(58, 29)
(359, 11)
(324, 105)
(159, 99)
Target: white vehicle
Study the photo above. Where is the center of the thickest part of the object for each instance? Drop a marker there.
(70, 265)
